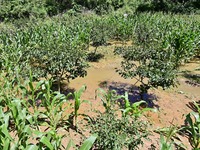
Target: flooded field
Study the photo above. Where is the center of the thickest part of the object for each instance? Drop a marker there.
(172, 104)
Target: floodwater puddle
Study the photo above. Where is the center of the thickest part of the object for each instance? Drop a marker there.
(102, 73)
(172, 104)
(187, 84)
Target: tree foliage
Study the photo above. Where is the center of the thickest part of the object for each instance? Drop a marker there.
(158, 49)
(15, 9)
(174, 6)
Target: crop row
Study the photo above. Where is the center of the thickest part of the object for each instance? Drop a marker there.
(58, 47)
(33, 116)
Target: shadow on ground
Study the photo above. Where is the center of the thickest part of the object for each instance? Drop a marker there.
(133, 92)
(94, 57)
(193, 106)
(64, 88)
(193, 79)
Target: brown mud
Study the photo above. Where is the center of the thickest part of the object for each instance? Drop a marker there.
(172, 104)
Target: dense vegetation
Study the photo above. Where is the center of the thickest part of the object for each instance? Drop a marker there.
(174, 6)
(39, 49)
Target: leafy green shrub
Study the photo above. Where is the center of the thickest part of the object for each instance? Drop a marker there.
(117, 131)
(141, 63)
(122, 26)
(158, 49)
(180, 6)
(101, 6)
(55, 49)
(54, 7)
(16, 9)
(100, 31)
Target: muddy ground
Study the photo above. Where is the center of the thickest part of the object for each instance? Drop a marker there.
(172, 104)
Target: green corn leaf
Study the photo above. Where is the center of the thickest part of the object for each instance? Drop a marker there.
(83, 88)
(39, 84)
(38, 133)
(86, 101)
(127, 110)
(6, 132)
(32, 147)
(89, 142)
(27, 130)
(137, 104)
(149, 109)
(46, 142)
(189, 120)
(30, 119)
(31, 86)
(127, 103)
(6, 145)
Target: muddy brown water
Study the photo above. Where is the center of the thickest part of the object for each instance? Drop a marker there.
(184, 86)
(103, 73)
(172, 104)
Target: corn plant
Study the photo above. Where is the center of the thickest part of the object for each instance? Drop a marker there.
(77, 104)
(5, 137)
(88, 143)
(192, 128)
(122, 26)
(109, 99)
(16, 117)
(54, 115)
(22, 121)
(169, 138)
(134, 109)
(164, 144)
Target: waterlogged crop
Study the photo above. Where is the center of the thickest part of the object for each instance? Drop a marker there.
(32, 116)
(77, 103)
(53, 50)
(159, 48)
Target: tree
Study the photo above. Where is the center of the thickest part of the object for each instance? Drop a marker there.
(147, 61)
(56, 50)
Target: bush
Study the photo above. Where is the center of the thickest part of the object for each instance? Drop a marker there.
(117, 133)
(101, 6)
(16, 9)
(53, 50)
(159, 48)
(180, 6)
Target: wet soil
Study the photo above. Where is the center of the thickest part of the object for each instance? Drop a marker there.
(172, 104)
